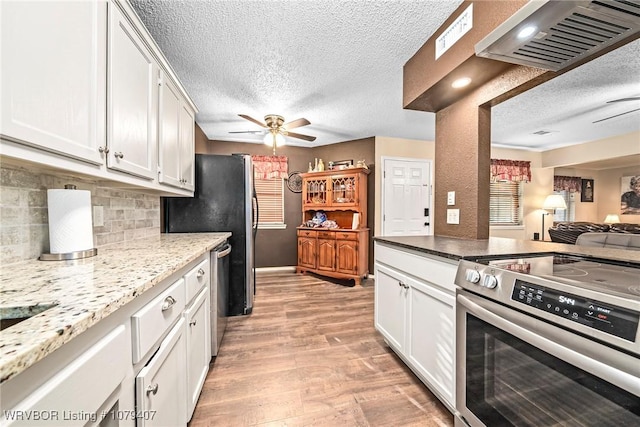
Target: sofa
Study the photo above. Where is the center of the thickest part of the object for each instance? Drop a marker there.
(625, 241)
(568, 232)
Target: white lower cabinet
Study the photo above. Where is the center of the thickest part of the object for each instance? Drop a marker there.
(415, 312)
(198, 347)
(161, 384)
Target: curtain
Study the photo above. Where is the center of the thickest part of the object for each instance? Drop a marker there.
(510, 170)
(567, 183)
(267, 167)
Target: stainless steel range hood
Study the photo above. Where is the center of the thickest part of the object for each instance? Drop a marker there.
(565, 32)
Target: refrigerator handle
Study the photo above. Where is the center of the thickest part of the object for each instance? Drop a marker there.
(256, 213)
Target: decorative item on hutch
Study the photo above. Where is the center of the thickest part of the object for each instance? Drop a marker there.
(337, 246)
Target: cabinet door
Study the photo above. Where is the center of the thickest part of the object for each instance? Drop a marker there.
(347, 256)
(169, 133)
(53, 76)
(161, 385)
(391, 306)
(326, 255)
(187, 147)
(315, 192)
(431, 336)
(307, 252)
(133, 99)
(344, 190)
(198, 348)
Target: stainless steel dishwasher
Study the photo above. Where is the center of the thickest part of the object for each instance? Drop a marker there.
(219, 294)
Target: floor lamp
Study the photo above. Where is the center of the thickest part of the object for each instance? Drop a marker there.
(552, 202)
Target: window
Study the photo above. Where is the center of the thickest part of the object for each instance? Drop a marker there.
(568, 214)
(269, 173)
(270, 193)
(505, 203)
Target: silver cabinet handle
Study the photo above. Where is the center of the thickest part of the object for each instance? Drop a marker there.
(118, 155)
(200, 273)
(192, 323)
(168, 303)
(104, 150)
(152, 389)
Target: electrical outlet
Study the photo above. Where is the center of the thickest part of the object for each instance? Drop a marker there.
(453, 216)
(98, 216)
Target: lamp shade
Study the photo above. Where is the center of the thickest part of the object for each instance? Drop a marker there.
(554, 201)
(612, 219)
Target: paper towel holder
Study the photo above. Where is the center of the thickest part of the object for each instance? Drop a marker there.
(87, 253)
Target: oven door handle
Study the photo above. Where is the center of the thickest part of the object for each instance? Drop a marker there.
(521, 326)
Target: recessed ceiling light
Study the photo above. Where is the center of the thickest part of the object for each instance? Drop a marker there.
(527, 31)
(462, 82)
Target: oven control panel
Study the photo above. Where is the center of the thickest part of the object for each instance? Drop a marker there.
(608, 318)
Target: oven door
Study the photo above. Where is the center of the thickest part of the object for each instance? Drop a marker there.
(514, 369)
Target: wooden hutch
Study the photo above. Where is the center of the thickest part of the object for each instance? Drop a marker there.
(341, 252)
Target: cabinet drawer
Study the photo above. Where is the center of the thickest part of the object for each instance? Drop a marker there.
(326, 235)
(345, 235)
(100, 369)
(197, 278)
(307, 233)
(151, 322)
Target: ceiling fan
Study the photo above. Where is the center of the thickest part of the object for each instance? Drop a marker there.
(632, 98)
(277, 129)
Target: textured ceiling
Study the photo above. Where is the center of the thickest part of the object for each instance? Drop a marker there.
(339, 64)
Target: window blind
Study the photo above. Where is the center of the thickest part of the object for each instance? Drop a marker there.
(505, 203)
(270, 200)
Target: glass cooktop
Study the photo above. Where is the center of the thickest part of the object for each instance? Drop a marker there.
(623, 277)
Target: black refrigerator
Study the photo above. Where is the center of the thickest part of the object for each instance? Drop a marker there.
(224, 200)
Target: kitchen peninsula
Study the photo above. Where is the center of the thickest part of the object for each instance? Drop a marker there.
(415, 296)
(99, 333)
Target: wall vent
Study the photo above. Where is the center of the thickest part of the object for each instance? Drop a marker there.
(567, 32)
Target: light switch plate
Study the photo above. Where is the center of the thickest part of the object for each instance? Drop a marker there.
(98, 216)
(453, 216)
(451, 198)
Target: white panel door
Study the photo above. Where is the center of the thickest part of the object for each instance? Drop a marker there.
(53, 75)
(133, 103)
(169, 134)
(406, 196)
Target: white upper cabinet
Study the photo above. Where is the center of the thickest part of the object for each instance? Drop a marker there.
(176, 149)
(53, 89)
(132, 100)
(169, 133)
(187, 147)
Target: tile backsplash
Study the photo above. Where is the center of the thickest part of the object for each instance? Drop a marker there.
(24, 232)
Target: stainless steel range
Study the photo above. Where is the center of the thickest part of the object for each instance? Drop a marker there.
(547, 339)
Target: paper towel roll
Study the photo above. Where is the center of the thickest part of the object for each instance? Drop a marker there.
(70, 224)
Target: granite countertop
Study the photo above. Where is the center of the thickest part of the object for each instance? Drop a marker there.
(456, 249)
(85, 291)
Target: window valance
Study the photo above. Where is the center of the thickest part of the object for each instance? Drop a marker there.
(510, 170)
(567, 183)
(267, 167)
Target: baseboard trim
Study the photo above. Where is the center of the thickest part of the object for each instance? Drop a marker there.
(275, 270)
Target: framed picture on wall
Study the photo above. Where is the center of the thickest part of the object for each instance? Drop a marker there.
(630, 195)
(586, 190)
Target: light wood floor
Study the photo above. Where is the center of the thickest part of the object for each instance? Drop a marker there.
(309, 356)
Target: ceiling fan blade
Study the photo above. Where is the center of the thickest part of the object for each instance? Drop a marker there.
(301, 136)
(251, 119)
(296, 123)
(633, 98)
(247, 131)
(616, 115)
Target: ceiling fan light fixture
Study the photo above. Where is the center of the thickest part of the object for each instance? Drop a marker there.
(279, 139)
